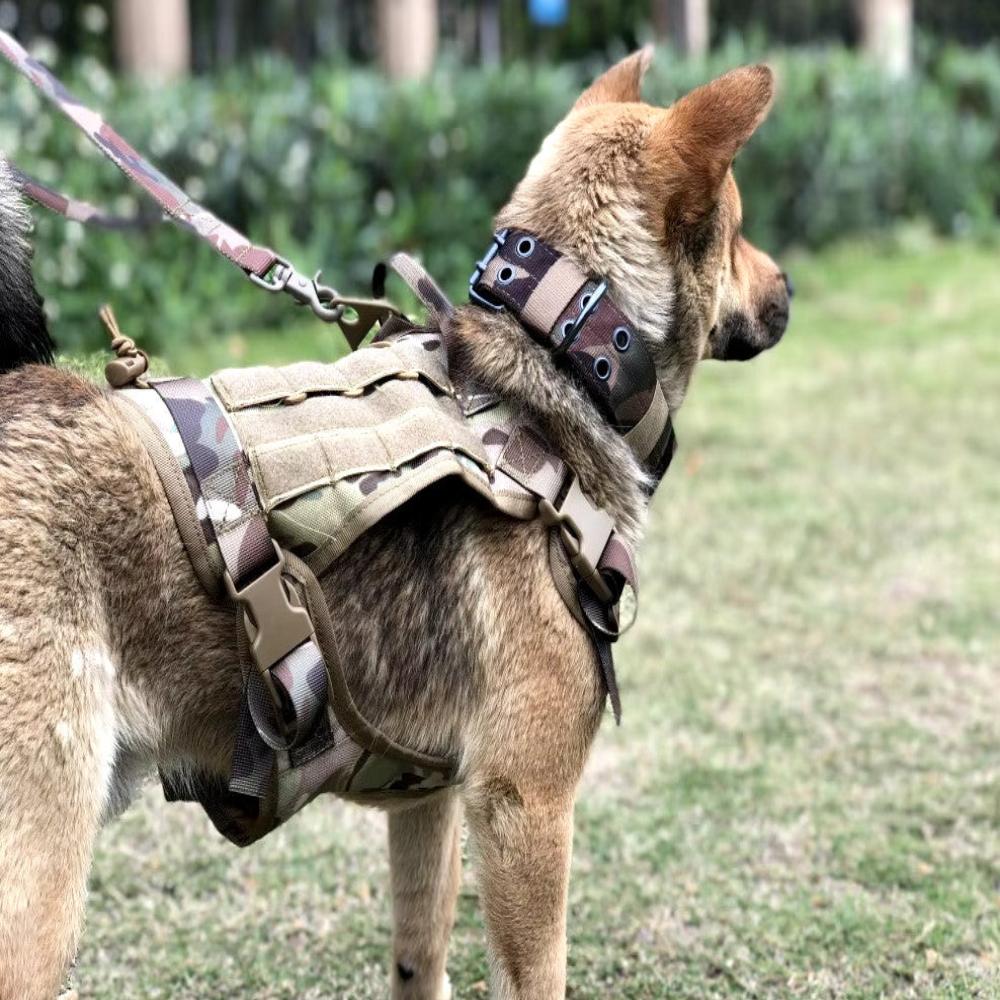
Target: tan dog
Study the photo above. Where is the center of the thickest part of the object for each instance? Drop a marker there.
(114, 661)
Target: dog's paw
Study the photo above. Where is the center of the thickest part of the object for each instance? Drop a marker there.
(69, 995)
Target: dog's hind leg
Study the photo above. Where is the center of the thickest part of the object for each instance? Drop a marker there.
(56, 751)
(425, 854)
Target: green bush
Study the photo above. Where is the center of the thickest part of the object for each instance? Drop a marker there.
(341, 167)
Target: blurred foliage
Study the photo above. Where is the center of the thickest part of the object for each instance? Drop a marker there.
(340, 167)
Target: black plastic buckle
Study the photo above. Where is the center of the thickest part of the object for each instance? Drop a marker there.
(499, 239)
(562, 341)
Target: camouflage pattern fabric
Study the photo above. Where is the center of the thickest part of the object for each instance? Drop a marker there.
(438, 306)
(223, 477)
(159, 416)
(229, 242)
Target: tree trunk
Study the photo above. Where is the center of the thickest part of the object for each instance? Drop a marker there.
(407, 37)
(153, 40)
(887, 33)
(489, 33)
(684, 23)
(226, 32)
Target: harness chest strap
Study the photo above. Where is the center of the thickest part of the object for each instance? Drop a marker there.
(592, 566)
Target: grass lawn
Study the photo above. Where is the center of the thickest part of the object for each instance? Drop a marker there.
(804, 797)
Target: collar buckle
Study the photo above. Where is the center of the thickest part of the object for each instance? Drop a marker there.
(562, 338)
(499, 239)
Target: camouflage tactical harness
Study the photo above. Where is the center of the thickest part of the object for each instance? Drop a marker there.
(273, 473)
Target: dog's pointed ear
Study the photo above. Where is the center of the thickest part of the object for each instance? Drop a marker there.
(619, 84)
(693, 145)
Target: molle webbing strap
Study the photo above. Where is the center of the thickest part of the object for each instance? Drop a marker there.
(570, 313)
(233, 245)
(294, 678)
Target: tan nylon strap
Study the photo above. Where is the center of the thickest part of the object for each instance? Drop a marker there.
(643, 437)
(413, 273)
(242, 388)
(546, 303)
(527, 460)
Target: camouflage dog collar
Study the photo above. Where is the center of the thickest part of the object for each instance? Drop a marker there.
(572, 314)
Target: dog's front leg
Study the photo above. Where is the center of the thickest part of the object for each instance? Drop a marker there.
(523, 839)
(425, 855)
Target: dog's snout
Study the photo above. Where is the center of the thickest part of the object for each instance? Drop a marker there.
(789, 286)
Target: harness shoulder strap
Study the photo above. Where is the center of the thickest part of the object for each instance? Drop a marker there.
(417, 279)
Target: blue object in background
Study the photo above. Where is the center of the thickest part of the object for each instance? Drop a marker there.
(548, 13)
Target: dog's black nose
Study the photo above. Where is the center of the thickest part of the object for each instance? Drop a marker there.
(789, 287)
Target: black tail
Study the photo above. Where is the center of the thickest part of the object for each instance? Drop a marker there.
(24, 332)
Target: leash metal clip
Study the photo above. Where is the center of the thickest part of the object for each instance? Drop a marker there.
(499, 239)
(323, 300)
(355, 317)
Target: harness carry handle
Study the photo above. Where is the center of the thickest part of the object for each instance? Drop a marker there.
(260, 264)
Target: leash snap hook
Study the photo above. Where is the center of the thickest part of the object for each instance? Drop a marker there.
(284, 277)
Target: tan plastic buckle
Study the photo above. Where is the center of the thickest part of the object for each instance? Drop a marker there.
(584, 530)
(274, 620)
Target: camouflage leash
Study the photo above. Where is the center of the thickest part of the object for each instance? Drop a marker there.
(76, 209)
(262, 265)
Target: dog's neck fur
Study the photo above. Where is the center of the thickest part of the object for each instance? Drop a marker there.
(499, 354)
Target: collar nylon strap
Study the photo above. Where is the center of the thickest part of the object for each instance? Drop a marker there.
(573, 315)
